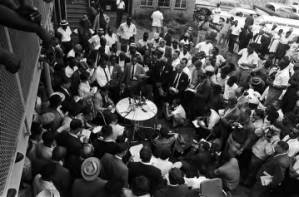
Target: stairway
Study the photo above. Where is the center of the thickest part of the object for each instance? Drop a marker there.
(75, 10)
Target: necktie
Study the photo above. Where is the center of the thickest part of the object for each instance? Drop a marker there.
(162, 70)
(176, 81)
(133, 71)
(107, 78)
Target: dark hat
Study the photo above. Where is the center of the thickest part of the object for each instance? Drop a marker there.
(76, 124)
(255, 81)
(55, 99)
(63, 23)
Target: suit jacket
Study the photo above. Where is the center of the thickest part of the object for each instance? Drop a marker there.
(68, 101)
(183, 82)
(62, 180)
(152, 173)
(128, 78)
(114, 169)
(161, 73)
(71, 143)
(175, 191)
(276, 167)
(168, 39)
(116, 76)
(101, 147)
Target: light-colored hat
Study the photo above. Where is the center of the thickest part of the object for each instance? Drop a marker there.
(90, 168)
(210, 68)
(62, 96)
(133, 44)
(64, 23)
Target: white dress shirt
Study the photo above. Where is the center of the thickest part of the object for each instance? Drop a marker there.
(65, 34)
(120, 4)
(103, 75)
(157, 18)
(111, 39)
(293, 145)
(126, 32)
(95, 42)
(246, 58)
(205, 47)
(282, 77)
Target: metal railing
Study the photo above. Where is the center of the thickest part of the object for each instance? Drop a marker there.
(17, 97)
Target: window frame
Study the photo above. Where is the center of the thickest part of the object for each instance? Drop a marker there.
(180, 4)
(163, 6)
(147, 3)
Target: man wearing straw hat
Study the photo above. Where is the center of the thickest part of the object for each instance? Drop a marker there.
(90, 182)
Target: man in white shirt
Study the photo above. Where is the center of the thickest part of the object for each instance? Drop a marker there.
(281, 81)
(120, 5)
(247, 63)
(235, 31)
(95, 40)
(65, 32)
(102, 74)
(157, 22)
(175, 59)
(127, 30)
(216, 14)
(205, 46)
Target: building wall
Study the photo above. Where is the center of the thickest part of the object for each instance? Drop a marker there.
(260, 2)
(17, 98)
(171, 10)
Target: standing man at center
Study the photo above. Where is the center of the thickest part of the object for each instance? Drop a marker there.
(157, 18)
(120, 6)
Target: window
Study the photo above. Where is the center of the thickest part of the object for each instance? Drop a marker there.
(180, 4)
(164, 3)
(147, 2)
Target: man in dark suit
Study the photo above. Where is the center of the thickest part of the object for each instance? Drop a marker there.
(134, 74)
(177, 83)
(273, 171)
(144, 168)
(113, 167)
(70, 140)
(168, 37)
(64, 88)
(160, 75)
(62, 176)
(106, 145)
(176, 187)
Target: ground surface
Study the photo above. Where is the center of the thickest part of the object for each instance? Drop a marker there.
(241, 191)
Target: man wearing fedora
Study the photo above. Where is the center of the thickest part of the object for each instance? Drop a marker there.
(65, 33)
(90, 181)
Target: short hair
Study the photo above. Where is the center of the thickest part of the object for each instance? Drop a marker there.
(140, 186)
(145, 154)
(47, 171)
(114, 186)
(84, 76)
(284, 145)
(59, 153)
(75, 124)
(48, 137)
(106, 131)
(272, 114)
(176, 176)
(165, 153)
(232, 80)
(184, 59)
(36, 129)
(86, 151)
(217, 89)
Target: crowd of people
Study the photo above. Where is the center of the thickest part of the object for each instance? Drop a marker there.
(244, 114)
